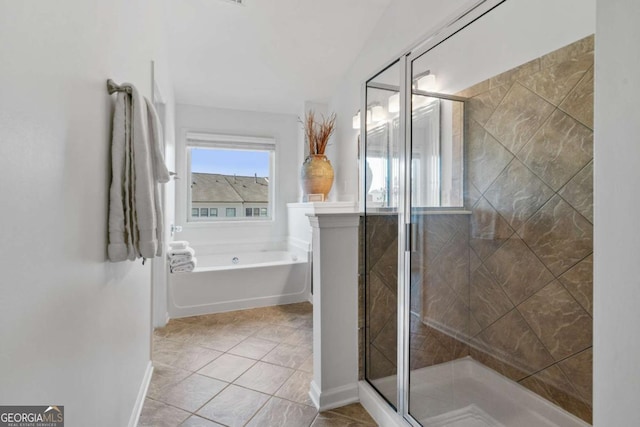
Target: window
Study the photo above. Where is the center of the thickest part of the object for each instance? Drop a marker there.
(229, 170)
(255, 212)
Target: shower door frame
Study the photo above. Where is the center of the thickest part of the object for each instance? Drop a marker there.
(405, 61)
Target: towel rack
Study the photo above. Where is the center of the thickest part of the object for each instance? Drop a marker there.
(112, 87)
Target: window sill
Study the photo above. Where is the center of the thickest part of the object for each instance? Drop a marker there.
(229, 223)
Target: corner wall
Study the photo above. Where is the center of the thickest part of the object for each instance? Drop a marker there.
(617, 203)
(75, 329)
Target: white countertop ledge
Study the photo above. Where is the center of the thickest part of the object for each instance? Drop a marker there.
(319, 208)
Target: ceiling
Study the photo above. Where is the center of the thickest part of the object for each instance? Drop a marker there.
(265, 55)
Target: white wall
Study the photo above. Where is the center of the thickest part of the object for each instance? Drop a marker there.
(74, 328)
(515, 32)
(282, 127)
(617, 203)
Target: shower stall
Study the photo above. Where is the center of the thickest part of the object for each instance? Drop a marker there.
(476, 270)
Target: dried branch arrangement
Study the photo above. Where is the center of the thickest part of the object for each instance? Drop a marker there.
(317, 133)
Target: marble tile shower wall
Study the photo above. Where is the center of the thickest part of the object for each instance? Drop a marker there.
(379, 273)
(530, 171)
(443, 239)
(511, 285)
(440, 320)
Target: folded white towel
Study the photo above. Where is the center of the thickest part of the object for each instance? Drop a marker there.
(135, 210)
(181, 252)
(120, 232)
(179, 260)
(179, 244)
(185, 268)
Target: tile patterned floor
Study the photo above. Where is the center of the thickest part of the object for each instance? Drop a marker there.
(242, 368)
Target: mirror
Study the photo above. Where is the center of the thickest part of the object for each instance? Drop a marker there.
(437, 130)
(382, 149)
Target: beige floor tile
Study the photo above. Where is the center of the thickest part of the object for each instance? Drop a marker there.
(193, 320)
(220, 340)
(274, 315)
(307, 365)
(253, 348)
(183, 355)
(244, 327)
(177, 331)
(308, 323)
(196, 421)
(234, 406)
(298, 307)
(355, 411)
(275, 333)
(227, 367)
(287, 355)
(296, 388)
(157, 414)
(264, 377)
(329, 419)
(192, 392)
(302, 337)
(282, 413)
(163, 377)
(291, 320)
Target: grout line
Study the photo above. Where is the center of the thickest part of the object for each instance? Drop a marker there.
(556, 363)
(583, 78)
(259, 410)
(571, 293)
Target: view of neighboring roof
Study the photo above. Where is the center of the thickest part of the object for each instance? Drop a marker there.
(209, 187)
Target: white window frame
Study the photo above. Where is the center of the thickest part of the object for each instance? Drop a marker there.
(237, 142)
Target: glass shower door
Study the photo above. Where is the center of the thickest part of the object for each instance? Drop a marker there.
(438, 257)
(381, 162)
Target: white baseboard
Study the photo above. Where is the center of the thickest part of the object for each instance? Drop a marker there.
(333, 398)
(244, 304)
(162, 322)
(142, 393)
(314, 394)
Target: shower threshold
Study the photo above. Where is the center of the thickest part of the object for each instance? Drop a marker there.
(465, 393)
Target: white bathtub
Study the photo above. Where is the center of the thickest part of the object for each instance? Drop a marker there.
(236, 281)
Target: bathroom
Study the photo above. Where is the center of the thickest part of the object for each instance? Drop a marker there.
(77, 330)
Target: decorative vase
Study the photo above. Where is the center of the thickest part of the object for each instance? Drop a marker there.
(317, 175)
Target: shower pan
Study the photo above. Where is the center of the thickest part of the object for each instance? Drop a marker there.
(477, 228)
